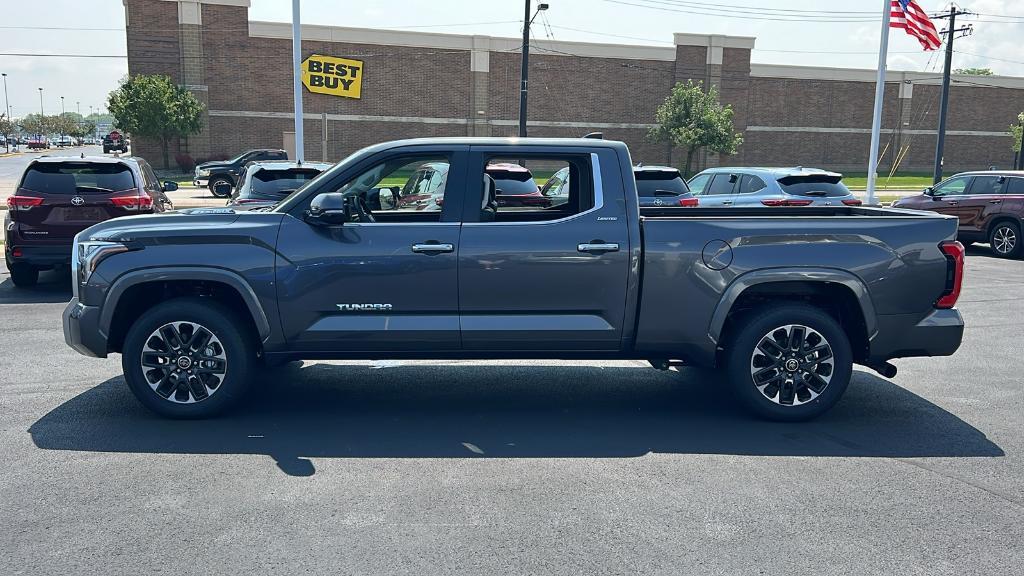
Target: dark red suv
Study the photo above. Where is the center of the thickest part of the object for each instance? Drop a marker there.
(59, 197)
(990, 206)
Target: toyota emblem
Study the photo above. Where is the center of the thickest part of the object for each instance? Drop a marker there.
(658, 202)
(77, 201)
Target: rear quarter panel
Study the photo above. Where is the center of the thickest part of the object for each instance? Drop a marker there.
(896, 258)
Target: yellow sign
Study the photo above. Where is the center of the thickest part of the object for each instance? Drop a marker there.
(334, 76)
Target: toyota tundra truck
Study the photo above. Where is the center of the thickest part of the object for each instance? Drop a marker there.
(377, 258)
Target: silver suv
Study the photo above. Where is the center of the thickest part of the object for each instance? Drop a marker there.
(748, 187)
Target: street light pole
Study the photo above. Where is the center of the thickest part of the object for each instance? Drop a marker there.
(7, 108)
(525, 72)
(61, 120)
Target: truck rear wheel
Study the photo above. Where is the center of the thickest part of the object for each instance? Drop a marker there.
(789, 363)
(188, 358)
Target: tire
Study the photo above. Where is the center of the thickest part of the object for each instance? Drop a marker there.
(788, 384)
(1005, 240)
(217, 180)
(23, 275)
(229, 359)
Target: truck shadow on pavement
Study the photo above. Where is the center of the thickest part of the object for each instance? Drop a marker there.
(527, 411)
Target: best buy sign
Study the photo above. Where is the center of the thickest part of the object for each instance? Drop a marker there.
(335, 76)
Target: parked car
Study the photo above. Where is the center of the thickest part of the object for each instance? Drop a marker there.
(662, 186)
(731, 186)
(514, 186)
(38, 143)
(210, 174)
(58, 197)
(63, 141)
(989, 205)
(556, 188)
(115, 142)
(263, 184)
(198, 300)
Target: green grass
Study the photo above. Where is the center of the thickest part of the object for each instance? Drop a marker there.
(909, 181)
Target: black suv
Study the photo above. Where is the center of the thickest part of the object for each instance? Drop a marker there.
(58, 197)
(115, 142)
(210, 174)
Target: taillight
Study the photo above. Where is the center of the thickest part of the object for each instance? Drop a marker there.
(23, 202)
(787, 202)
(954, 252)
(134, 202)
(689, 202)
(852, 202)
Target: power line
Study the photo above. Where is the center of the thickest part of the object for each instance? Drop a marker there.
(679, 9)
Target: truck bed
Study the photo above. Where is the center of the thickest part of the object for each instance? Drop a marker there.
(775, 212)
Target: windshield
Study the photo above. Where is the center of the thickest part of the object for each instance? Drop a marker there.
(77, 177)
(281, 181)
(823, 185)
(660, 183)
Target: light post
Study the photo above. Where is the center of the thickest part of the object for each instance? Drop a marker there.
(525, 73)
(7, 108)
(61, 120)
(41, 114)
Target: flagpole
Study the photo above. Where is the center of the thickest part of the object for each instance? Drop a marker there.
(876, 121)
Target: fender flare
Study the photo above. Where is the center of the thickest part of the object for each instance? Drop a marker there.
(794, 274)
(228, 277)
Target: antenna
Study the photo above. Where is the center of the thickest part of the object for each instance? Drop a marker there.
(595, 135)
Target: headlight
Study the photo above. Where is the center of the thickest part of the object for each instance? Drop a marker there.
(202, 172)
(88, 255)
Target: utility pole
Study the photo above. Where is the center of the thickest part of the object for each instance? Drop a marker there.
(944, 103)
(61, 120)
(525, 73)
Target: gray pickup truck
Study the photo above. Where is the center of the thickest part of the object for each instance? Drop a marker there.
(783, 300)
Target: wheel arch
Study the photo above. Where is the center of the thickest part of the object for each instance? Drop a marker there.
(137, 291)
(999, 219)
(837, 292)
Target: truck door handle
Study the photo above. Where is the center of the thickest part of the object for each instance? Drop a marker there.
(997, 201)
(954, 202)
(597, 248)
(432, 248)
(726, 202)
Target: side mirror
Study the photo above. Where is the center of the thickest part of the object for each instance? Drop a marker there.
(222, 189)
(387, 199)
(929, 191)
(170, 186)
(329, 209)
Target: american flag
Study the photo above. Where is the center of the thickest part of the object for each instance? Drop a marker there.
(908, 15)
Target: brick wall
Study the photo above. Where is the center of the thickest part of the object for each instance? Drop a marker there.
(246, 82)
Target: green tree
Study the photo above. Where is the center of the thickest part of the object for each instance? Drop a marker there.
(1015, 130)
(974, 71)
(693, 119)
(154, 106)
(7, 129)
(37, 124)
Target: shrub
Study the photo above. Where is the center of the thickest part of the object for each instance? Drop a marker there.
(185, 162)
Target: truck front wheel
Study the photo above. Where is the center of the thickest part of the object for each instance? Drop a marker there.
(789, 363)
(188, 358)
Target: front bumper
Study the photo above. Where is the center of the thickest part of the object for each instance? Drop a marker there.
(201, 182)
(82, 331)
(939, 333)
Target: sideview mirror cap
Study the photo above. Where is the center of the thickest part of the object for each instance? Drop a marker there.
(170, 186)
(329, 209)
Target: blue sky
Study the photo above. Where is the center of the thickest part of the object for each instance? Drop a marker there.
(995, 43)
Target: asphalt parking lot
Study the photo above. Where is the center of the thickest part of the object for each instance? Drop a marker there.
(515, 467)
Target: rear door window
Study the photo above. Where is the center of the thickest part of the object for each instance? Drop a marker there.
(721, 185)
(986, 185)
(78, 178)
(1015, 186)
(750, 184)
(815, 185)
